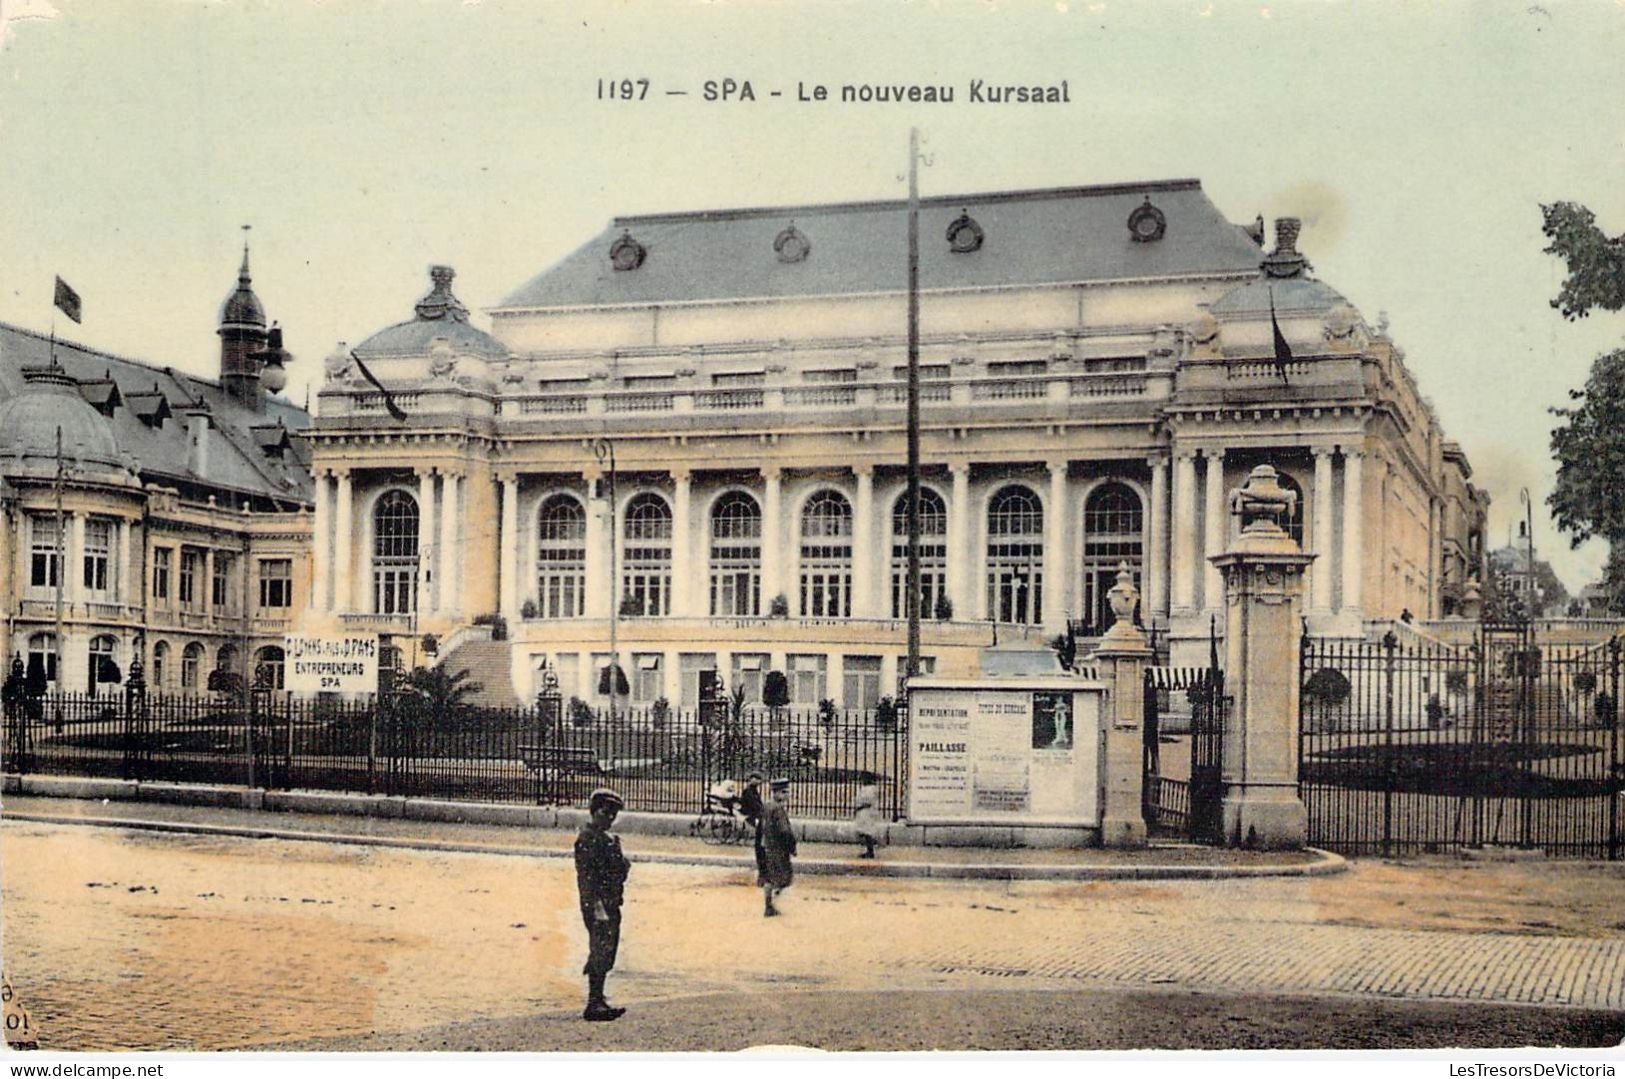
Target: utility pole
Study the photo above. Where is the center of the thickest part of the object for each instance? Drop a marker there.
(61, 562)
(604, 450)
(913, 597)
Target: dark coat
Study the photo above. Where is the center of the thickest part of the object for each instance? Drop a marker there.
(601, 870)
(778, 845)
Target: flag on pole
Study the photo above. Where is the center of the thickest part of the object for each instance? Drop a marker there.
(67, 300)
(1283, 351)
(389, 399)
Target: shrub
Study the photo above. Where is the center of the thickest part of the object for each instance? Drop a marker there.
(779, 607)
(1456, 681)
(1586, 682)
(775, 690)
(528, 609)
(631, 607)
(886, 714)
(581, 713)
(431, 644)
(945, 608)
(498, 624)
(826, 712)
(659, 713)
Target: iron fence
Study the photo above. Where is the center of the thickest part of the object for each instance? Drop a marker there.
(661, 760)
(1418, 748)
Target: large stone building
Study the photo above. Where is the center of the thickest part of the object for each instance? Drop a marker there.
(184, 509)
(1099, 368)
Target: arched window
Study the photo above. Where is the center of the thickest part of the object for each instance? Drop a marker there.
(1015, 556)
(736, 555)
(41, 671)
(226, 658)
(160, 665)
(269, 665)
(826, 556)
(103, 666)
(646, 574)
(1112, 522)
(191, 665)
(933, 554)
(395, 554)
(561, 557)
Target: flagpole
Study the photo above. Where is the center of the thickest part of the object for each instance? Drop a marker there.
(61, 568)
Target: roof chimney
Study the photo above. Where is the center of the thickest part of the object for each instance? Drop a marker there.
(1285, 261)
(197, 439)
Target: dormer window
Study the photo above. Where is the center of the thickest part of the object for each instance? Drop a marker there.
(151, 409)
(102, 395)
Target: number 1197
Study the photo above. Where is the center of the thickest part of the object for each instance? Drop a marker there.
(623, 89)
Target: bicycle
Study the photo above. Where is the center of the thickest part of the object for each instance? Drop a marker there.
(721, 822)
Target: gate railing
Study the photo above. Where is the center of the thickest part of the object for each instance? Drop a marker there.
(1182, 794)
(1412, 747)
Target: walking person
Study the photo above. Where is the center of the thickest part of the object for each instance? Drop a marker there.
(778, 846)
(752, 806)
(601, 871)
(866, 824)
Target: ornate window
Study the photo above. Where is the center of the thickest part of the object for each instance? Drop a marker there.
(1015, 556)
(646, 571)
(276, 582)
(189, 573)
(161, 557)
(933, 554)
(160, 665)
(1112, 534)
(191, 665)
(561, 557)
(220, 583)
(826, 556)
(98, 550)
(736, 555)
(395, 554)
(44, 557)
(270, 665)
(42, 659)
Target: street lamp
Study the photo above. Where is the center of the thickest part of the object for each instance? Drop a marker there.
(1529, 549)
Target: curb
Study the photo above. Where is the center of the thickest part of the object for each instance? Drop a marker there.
(1326, 863)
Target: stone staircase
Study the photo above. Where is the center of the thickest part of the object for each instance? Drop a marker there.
(488, 663)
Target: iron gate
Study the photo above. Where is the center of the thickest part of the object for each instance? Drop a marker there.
(1421, 746)
(1182, 795)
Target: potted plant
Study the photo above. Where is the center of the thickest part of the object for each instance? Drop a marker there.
(581, 713)
(886, 714)
(826, 712)
(945, 608)
(779, 607)
(527, 609)
(659, 713)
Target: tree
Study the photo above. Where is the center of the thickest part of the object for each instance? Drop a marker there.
(1596, 261)
(435, 695)
(1589, 442)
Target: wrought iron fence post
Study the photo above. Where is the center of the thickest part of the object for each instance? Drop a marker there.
(135, 710)
(548, 713)
(1616, 768)
(1390, 645)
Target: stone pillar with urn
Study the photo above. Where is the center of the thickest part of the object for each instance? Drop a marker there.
(1263, 578)
(1121, 659)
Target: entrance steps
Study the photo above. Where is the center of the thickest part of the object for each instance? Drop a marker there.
(488, 663)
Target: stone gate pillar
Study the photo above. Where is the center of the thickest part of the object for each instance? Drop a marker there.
(1121, 658)
(1263, 578)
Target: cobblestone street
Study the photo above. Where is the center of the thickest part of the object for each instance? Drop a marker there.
(122, 939)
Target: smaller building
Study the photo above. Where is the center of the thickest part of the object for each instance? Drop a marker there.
(149, 513)
(1521, 588)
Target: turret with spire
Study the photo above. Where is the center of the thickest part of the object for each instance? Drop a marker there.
(242, 338)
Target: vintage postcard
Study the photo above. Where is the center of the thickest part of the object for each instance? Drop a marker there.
(886, 527)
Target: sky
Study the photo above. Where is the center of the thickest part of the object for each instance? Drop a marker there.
(365, 141)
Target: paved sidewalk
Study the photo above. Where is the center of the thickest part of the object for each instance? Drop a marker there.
(1164, 861)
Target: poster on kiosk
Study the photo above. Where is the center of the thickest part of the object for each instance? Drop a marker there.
(1003, 751)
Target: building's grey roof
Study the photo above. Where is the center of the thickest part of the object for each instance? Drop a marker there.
(49, 403)
(237, 466)
(1039, 237)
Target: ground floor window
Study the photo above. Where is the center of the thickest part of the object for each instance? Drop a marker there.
(808, 678)
(269, 667)
(1015, 582)
(41, 671)
(860, 681)
(691, 664)
(749, 670)
(103, 666)
(648, 677)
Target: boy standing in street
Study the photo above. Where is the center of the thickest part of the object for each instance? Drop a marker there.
(601, 871)
(778, 846)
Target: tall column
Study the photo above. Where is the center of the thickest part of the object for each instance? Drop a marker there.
(206, 585)
(602, 590)
(773, 533)
(344, 561)
(864, 545)
(1435, 557)
(123, 589)
(508, 590)
(321, 554)
(450, 557)
(1353, 545)
(683, 576)
(962, 562)
(1320, 584)
(1184, 567)
(428, 543)
(74, 571)
(1216, 523)
(1056, 597)
(1155, 578)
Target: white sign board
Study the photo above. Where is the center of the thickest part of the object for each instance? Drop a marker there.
(1003, 751)
(344, 664)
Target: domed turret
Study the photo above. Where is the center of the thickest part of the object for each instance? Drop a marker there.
(242, 339)
(439, 314)
(29, 423)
